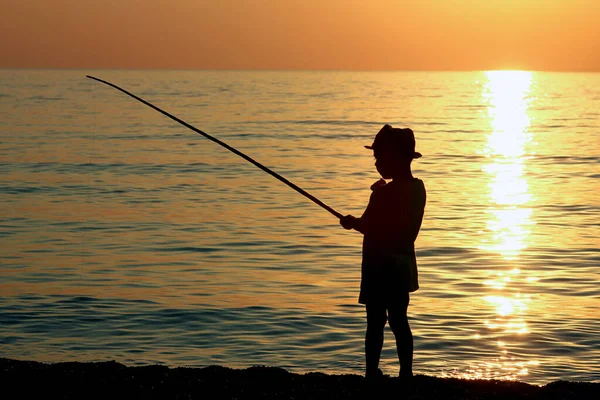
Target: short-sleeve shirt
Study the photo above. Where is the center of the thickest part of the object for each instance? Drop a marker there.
(390, 225)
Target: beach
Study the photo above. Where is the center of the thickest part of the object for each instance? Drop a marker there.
(75, 380)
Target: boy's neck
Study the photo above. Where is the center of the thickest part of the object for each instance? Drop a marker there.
(403, 175)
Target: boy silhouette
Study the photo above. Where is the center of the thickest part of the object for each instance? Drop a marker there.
(390, 225)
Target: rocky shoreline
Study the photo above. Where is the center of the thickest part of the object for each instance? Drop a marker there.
(111, 380)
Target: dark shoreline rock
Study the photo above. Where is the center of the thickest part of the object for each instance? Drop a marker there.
(111, 380)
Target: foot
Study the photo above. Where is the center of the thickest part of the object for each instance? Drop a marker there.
(374, 374)
(406, 377)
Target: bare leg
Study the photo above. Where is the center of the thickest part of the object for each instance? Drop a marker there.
(376, 319)
(404, 338)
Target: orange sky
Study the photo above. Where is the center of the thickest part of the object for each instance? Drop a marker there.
(302, 34)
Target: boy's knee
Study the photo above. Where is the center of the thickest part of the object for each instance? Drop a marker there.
(376, 318)
(398, 319)
(398, 324)
(376, 324)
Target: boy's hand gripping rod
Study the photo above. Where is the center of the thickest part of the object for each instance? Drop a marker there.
(239, 153)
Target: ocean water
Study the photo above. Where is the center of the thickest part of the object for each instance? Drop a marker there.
(124, 236)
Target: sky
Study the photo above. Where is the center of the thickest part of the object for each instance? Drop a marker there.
(547, 35)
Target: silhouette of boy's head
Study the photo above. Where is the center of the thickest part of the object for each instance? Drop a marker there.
(394, 150)
(398, 143)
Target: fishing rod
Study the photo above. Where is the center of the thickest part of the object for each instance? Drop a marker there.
(239, 153)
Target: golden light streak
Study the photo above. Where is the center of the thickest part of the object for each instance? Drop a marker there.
(509, 218)
(507, 95)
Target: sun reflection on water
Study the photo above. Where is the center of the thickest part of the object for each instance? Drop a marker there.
(508, 222)
(509, 194)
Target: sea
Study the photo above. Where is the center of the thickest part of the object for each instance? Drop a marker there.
(126, 236)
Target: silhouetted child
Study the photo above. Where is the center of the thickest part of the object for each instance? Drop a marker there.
(390, 226)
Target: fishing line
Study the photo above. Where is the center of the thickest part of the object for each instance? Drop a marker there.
(89, 181)
(239, 153)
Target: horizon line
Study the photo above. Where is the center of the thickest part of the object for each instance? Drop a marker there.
(294, 70)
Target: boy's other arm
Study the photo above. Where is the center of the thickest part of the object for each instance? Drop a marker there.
(417, 216)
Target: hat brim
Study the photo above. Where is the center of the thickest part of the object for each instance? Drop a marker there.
(415, 155)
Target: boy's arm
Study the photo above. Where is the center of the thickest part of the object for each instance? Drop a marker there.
(359, 224)
(351, 222)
